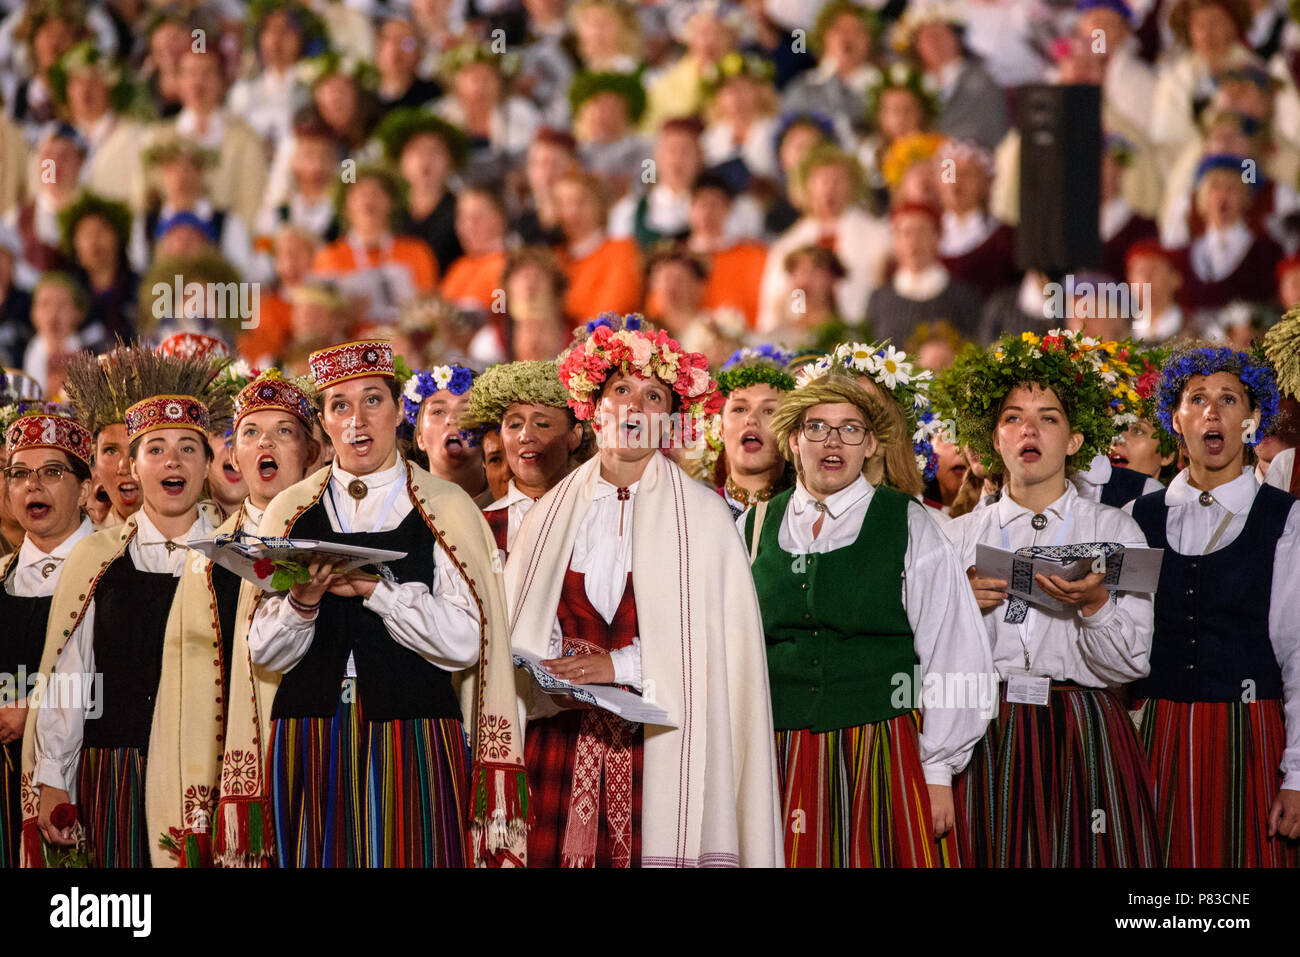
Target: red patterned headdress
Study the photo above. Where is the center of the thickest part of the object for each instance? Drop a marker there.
(272, 392)
(351, 360)
(194, 345)
(166, 412)
(50, 432)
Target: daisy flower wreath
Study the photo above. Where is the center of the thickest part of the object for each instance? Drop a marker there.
(1255, 374)
(896, 375)
(1091, 379)
(613, 343)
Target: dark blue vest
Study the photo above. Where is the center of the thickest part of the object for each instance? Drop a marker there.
(1124, 486)
(1212, 610)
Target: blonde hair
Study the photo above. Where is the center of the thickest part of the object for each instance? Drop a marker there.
(629, 42)
(828, 390)
(897, 467)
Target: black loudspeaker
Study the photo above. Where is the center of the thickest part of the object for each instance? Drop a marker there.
(1060, 178)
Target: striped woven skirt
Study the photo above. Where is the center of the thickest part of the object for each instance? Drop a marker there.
(856, 797)
(346, 792)
(110, 798)
(1214, 766)
(1071, 785)
(11, 811)
(975, 802)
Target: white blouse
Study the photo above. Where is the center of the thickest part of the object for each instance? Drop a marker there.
(941, 610)
(438, 621)
(36, 573)
(602, 552)
(59, 730)
(1111, 647)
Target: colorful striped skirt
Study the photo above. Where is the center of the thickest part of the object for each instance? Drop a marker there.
(346, 792)
(110, 796)
(975, 801)
(11, 810)
(1214, 766)
(1069, 786)
(856, 797)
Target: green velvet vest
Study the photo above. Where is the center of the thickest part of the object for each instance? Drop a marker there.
(837, 633)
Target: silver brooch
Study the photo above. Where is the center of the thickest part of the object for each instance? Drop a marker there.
(1039, 521)
(1206, 498)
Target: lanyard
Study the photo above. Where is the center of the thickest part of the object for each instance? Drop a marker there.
(346, 527)
(1060, 540)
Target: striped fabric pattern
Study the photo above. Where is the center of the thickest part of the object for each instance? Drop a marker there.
(11, 813)
(1214, 766)
(110, 795)
(857, 797)
(975, 801)
(1072, 785)
(350, 793)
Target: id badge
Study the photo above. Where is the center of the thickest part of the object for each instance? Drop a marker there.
(1028, 689)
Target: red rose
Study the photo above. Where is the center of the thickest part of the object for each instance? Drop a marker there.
(263, 567)
(64, 815)
(1053, 342)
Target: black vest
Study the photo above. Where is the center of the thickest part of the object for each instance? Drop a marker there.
(392, 681)
(1124, 486)
(22, 639)
(131, 609)
(1212, 610)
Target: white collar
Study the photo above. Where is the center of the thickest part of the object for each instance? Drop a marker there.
(202, 208)
(1237, 232)
(585, 247)
(253, 514)
(147, 532)
(947, 78)
(187, 124)
(1009, 510)
(1115, 213)
(962, 232)
(921, 286)
(512, 497)
(374, 480)
(1236, 496)
(30, 554)
(603, 489)
(802, 501)
(1159, 327)
(1098, 471)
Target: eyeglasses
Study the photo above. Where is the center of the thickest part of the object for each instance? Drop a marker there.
(46, 474)
(850, 433)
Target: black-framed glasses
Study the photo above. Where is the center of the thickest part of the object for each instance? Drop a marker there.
(851, 433)
(45, 474)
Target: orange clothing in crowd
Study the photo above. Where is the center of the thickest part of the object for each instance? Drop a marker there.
(608, 279)
(271, 334)
(476, 278)
(338, 259)
(735, 275)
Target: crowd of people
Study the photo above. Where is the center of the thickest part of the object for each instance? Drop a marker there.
(683, 353)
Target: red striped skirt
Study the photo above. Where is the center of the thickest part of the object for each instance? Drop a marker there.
(1214, 766)
(857, 797)
(110, 795)
(1070, 785)
(346, 792)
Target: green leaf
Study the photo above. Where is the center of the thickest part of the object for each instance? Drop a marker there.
(282, 580)
(301, 575)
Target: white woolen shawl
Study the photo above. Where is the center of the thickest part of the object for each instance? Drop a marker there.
(709, 793)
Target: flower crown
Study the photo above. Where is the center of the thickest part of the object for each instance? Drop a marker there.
(314, 70)
(468, 53)
(424, 383)
(1255, 374)
(614, 343)
(902, 76)
(751, 366)
(891, 370)
(1146, 364)
(735, 65)
(1093, 379)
